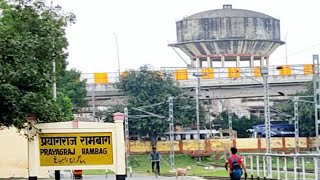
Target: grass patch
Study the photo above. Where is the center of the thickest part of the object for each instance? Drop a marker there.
(94, 172)
(141, 165)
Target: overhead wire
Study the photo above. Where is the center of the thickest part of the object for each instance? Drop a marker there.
(281, 112)
(230, 96)
(165, 101)
(297, 52)
(142, 108)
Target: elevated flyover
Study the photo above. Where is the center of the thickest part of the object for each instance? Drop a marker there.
(219, 83)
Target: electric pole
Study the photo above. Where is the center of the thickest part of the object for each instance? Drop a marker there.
(316, 86)
(296, 124)
(296, 135)
(230, 127)
(316, 93)
(171, 128)
(198, 75)
(265, 74)
(126, 132)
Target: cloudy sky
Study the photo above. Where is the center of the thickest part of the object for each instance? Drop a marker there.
(145, 27)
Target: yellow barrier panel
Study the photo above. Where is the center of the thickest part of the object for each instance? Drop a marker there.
(233, 72)
(285, 70)
(256, 72)
(207, 73)
(181, 74)
(101, 78)
(308, 69)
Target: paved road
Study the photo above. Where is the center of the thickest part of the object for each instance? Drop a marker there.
(136, 177)
(67, 176)
(139, 178)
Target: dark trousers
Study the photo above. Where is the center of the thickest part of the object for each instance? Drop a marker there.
(232, 178)
(158, 166)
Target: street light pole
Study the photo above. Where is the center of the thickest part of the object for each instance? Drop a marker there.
(285, 39)
(54, 80)
(115, 35)
(56, 172)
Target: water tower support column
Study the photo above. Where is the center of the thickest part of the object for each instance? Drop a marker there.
(238, 61)
(198, 63)
(262, 61)
(209, 63)
(192, 63)
(222, 61)
(252, 61)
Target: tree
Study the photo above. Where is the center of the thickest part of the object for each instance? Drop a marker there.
(65, 104)
(151, 90)
(69, 84)
(238, 124)
(306, 112)
(32, 36)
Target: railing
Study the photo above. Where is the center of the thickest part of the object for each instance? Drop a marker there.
(183, 74)
(284, 166)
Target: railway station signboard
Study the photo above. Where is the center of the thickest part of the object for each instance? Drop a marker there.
(76, 145)
(67, 149)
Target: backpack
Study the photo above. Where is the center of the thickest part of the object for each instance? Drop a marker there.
(236, 169)
(155, 156)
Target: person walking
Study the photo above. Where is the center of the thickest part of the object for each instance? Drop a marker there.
(236, 166)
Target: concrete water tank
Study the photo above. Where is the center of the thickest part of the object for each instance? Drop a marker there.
(228, 34)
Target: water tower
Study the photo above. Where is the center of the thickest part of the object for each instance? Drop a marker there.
(241, 37)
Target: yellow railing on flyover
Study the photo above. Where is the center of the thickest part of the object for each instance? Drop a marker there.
(183, 74)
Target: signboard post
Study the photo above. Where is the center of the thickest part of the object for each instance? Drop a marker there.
(88, 145)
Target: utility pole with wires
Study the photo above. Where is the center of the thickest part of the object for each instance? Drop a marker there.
(198, 88)
(230, 127)
(265, 74)
(150, 114)
(296, 123)
(171, 128)
(316, 93)
(316, 86)
(296, 134)
(296, 101)
(126, 132)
